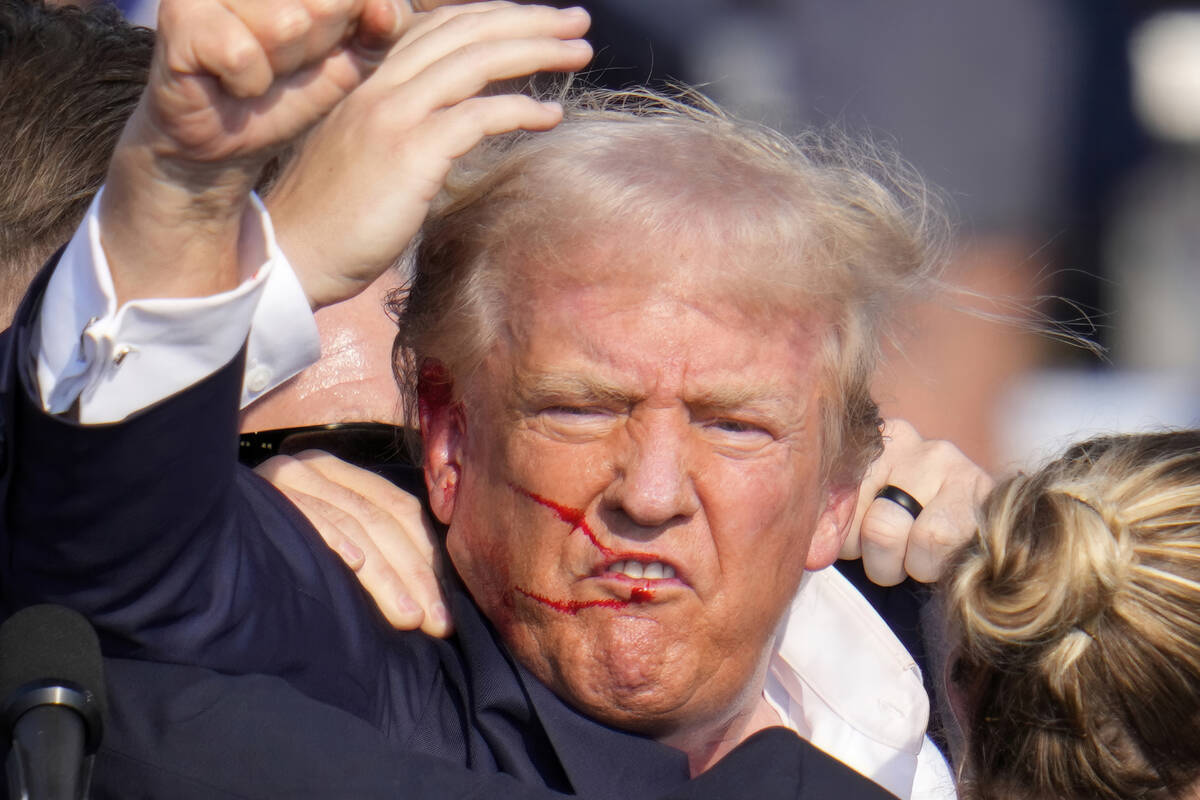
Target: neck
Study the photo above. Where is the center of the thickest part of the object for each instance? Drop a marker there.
(708, 745)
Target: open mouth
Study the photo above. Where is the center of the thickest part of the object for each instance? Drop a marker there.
(638, 569)
(641, 576)
(639, 594)
(646, 572)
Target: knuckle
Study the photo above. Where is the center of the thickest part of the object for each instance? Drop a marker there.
(923, 538)
(426, 587)
(945, 534)
(445, 13)
(239, 54)
(279, 468)
(945, 451)
(288, 25)
(378, 119)
(882, 535)
(408, 505)
(327, 9)
(476, 53)
(393, 584)
(313, 458)
(900, 430)
(347, 522)
(271, 467)
(472, 112)
(372, 516)
(333, 538)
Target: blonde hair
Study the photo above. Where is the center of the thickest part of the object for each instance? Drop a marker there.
(1078, 607)
(820, 222)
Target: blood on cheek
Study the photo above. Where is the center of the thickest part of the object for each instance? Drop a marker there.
(572, 516)
(575, 518)
(573, 607)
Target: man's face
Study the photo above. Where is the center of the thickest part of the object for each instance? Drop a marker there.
(632, 487)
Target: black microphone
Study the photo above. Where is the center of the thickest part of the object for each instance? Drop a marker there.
(53, 702)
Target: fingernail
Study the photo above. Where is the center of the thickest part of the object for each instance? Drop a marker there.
(440, 614)
(576, 11)
(578, 44)
(351, 553)
(406, 605)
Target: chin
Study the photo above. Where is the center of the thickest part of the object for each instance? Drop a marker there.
(625, 675)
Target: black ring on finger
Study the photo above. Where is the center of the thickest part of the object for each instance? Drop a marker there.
(902, 499)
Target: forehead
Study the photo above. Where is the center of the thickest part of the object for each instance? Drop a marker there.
(659, 331)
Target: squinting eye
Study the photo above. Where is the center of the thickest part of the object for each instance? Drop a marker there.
(573, 411)
(737, 435)
(735, 426)
(576, 415)
(577, 423)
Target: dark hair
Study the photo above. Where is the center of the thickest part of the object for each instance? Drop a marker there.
(69, 79)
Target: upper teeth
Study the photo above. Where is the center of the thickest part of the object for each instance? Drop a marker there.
(655, 570)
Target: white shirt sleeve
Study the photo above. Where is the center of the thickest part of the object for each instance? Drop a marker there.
(116, 361)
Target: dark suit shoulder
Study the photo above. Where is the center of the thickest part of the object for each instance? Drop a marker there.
(776, 764)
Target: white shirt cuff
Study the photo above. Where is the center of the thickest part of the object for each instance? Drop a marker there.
(116, 361)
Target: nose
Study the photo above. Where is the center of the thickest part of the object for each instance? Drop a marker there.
(654, 482)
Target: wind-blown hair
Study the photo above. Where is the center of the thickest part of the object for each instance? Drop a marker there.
(814, 223)
(1078, 607)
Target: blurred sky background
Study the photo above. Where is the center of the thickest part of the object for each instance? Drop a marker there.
(1066, 135)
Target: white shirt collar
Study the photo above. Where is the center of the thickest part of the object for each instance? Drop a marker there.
(841, 679)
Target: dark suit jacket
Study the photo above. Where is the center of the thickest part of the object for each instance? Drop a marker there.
(186, 733)
(177, 555)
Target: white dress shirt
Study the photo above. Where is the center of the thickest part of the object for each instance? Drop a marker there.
(115, 361)
(839, 677)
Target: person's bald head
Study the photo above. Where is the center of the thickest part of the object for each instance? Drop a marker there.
(352, 381)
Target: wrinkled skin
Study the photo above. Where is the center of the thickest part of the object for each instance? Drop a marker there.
(686, 432)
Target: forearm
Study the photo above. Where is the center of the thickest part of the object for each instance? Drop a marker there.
(169, 234)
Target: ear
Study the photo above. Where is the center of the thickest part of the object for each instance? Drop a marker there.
(443, 432)
(833, 526)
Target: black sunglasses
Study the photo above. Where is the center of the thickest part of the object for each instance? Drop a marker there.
(365, 444)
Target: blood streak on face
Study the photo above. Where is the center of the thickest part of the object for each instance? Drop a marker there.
(639, 594)
(573, 607)
(575, 518)
(572, 516)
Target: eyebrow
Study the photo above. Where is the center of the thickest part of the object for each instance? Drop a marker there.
(728, 398)
(574, 386)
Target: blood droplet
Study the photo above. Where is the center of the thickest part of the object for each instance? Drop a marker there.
(641, 594)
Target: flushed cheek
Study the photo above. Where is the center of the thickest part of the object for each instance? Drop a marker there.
(483, 564)
(769, 517)
(523, 555)
(489, 544)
